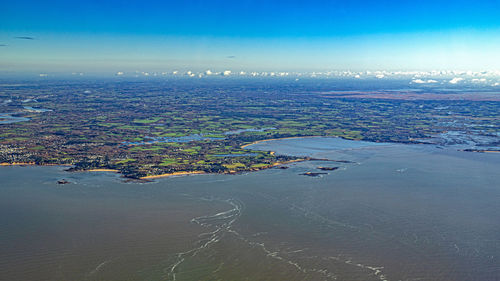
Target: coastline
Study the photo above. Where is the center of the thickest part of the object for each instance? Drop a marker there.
(182, 173)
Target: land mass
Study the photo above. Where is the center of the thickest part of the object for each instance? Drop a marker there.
(150, 129)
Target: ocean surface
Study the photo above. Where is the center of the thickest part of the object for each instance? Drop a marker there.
(389, 212)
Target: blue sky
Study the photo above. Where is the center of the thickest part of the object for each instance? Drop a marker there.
(249, 35)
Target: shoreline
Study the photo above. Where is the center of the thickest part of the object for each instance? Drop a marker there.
(183, 173)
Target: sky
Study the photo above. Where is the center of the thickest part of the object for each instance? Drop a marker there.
(109, 36)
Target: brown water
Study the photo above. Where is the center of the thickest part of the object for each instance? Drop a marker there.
(393, 212)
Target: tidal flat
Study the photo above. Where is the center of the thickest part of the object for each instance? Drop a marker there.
(389, 212)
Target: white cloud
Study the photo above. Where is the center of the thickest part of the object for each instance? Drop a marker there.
(420, 81)
(456, 80)
(476, 80)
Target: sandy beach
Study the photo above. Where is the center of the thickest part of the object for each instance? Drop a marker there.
(171, 174)
(103, 170)
(17, 164)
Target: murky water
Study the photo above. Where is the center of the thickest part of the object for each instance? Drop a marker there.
(389, 212)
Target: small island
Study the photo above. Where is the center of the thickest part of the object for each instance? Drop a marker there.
(328, 168)
(313, 174)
